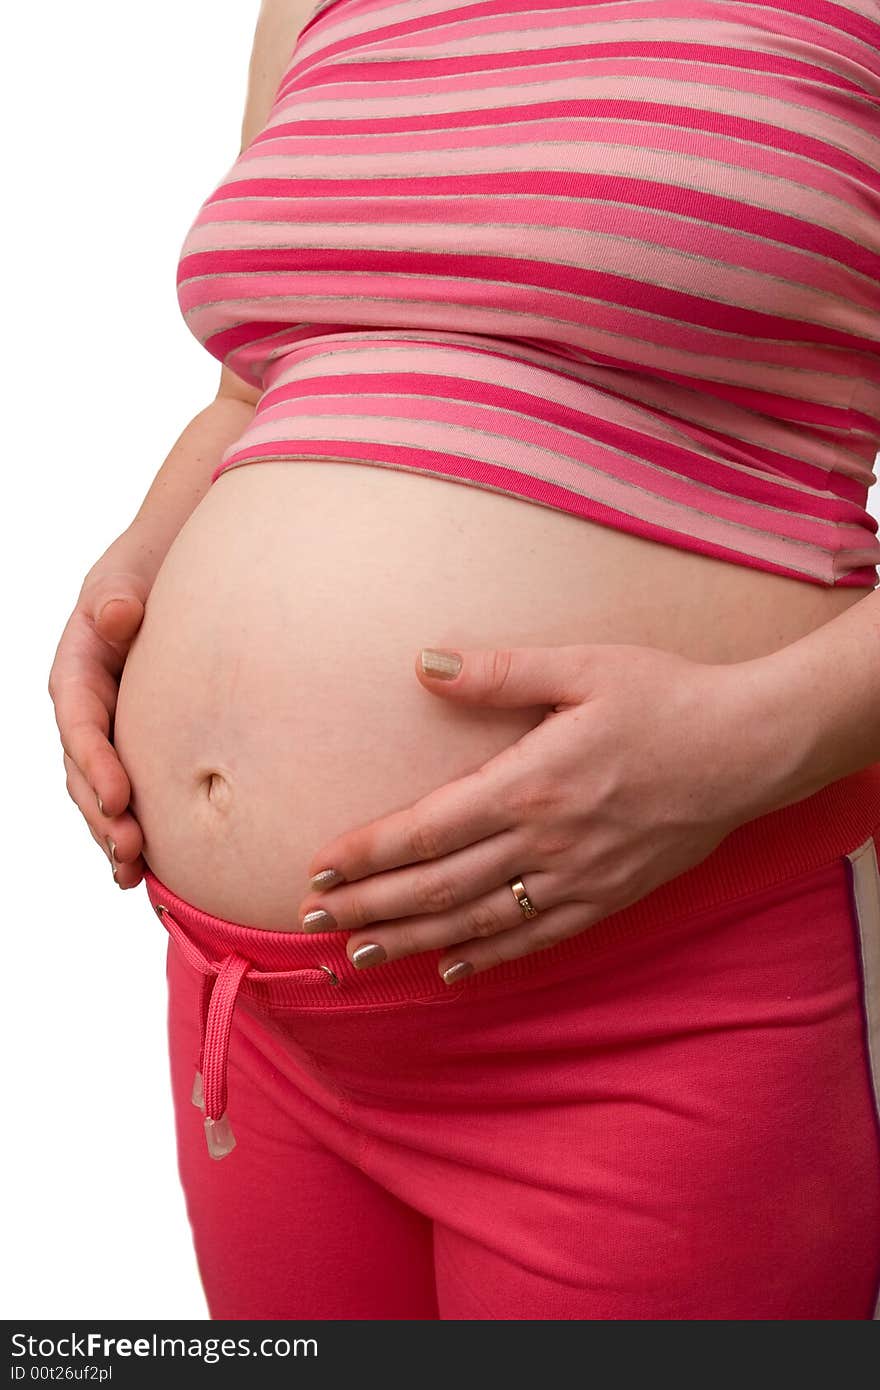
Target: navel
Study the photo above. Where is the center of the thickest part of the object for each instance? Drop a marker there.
(217, 789)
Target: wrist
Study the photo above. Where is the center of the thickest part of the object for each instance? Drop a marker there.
(776, 742)
(134, 556)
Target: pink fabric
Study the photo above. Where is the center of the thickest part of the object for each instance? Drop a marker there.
(617, 260)
(671, 1116)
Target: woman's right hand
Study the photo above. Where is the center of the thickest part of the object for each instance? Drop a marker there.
(83, 686)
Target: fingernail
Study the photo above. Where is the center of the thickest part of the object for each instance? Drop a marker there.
(444, 665)
(457, 971)
(327, 878)
(319, 920)
(369, 954)
(100, 804)
(111, 845)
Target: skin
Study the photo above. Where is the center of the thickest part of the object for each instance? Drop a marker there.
(624, 785)
(91, 653)
(644, 617)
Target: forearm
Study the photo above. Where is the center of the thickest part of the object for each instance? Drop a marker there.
(812, 709)
(178, 487)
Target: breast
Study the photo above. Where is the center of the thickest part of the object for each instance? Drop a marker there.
(269, 701)
(619, 259)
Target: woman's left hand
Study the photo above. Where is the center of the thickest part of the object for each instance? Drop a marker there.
(645, 761)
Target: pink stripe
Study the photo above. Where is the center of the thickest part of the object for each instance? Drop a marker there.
(658, 234)
(565, 63)
(660, 277)
(632, 114)
(810, 520)
(837, 16)
(726, 212)
(620, 78)
(447, 396)
(686, 311)
(552, 495)
(689, 57)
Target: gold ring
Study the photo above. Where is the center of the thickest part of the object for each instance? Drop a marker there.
(525, 906)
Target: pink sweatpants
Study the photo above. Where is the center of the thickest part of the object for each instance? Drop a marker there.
(672, 1115)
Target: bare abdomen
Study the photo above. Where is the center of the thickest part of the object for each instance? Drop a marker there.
(269, 701)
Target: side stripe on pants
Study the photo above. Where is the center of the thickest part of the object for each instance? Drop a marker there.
(865, 881)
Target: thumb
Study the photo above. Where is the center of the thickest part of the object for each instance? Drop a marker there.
(506, 677)
(117, 605)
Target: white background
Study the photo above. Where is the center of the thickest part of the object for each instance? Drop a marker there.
(118, 120)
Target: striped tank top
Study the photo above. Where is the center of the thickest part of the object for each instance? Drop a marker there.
(619, 259)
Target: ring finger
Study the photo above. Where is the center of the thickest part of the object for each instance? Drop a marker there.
(432, 887)
(528, 937)
(495, 912)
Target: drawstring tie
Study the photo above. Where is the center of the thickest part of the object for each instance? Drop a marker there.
(220, 986)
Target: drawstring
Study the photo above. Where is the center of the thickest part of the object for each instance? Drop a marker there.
(215, 1053)
(216, 1006)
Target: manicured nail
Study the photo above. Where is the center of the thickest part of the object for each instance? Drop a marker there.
(100, 804)
(111, 845)
(368, 954)
(444, 665)
(319, 920)
(327, 878)
(457, 971)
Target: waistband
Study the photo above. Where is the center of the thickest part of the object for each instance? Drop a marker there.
(312, 970)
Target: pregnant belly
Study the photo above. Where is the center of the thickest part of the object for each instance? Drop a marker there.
(269, 701)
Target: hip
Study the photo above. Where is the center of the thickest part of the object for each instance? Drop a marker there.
(695, 1086)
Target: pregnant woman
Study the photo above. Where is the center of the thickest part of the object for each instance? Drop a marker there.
(535, 976)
